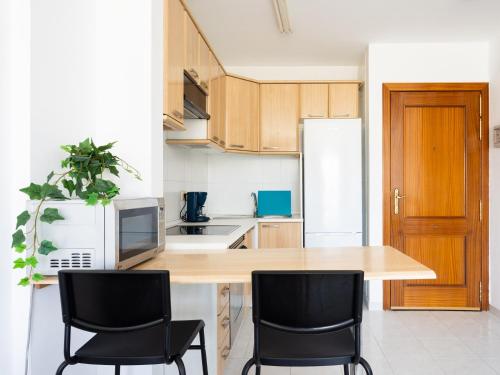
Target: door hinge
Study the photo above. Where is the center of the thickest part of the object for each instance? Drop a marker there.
(480, 210)
(480, 291)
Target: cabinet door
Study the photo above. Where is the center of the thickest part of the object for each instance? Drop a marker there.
(279, 117)
(344, 100)
(242, 114)
(217, 105)
(173, 75)
(191, 48)
(314, 100)
(213, 98)
(204, 64)
(221, 113)
(280, 235)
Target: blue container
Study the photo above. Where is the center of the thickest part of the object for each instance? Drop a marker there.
(274, 203)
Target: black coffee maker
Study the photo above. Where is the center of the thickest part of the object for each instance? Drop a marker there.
(195, 201)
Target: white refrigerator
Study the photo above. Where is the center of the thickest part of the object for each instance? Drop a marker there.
(333, 183)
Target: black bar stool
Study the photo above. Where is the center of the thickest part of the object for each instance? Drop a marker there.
(307, 319)
(130, 313)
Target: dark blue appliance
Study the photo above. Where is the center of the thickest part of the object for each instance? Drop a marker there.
(195, 201)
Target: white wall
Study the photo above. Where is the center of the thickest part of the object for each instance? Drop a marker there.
(494, 176)
(233, 177)
(296, 72)
(451, 62)
(228, 178)
(15, 154)
(95, 70)
(184, 170)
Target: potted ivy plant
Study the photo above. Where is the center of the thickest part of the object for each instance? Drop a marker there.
(83, 176)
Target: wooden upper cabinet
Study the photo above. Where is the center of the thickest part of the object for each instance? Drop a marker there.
(191, 48)
(204, 64)
(344, 100)
(313, 100)
(279, 117)
(217, 102)
(173, 72)
(242, 114)
(280, 235)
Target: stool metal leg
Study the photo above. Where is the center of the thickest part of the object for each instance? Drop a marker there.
(180, 366)
(61, 368)
(247, 366)
(346, 369)
(366, 366)
(203, 352)
(117, 369)
(352, 369)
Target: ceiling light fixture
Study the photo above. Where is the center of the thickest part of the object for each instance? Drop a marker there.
(281, 10)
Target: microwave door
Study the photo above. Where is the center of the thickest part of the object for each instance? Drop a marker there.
(137, 234)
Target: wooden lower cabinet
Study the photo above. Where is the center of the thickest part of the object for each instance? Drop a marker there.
(223, 327)
(280, 235)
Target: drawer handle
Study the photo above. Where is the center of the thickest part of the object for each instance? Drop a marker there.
(225, 352)
(225, 322)
(224, 292)
(270, 147)
(270, 226)
(194, 73)
(237, 146)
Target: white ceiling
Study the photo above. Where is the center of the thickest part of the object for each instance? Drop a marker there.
(337, 32)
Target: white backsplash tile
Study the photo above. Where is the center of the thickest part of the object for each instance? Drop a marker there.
(229, 179)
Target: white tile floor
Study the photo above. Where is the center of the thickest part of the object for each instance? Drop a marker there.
(405, 342)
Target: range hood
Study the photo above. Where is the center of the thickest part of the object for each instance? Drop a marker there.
(195, 100)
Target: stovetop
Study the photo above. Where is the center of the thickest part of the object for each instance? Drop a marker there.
(201, 230)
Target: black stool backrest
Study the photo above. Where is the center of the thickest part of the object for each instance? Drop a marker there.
(307, 301)
(114, 301)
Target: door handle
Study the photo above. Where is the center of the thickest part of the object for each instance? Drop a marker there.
(397, 197)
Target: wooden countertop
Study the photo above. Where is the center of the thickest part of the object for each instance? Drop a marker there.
(235, 266)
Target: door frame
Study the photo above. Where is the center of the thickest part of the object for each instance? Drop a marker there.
(483, 88)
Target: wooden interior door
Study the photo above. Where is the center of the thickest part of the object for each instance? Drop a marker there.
(435, 195)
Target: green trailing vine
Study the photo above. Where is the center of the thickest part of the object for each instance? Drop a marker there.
(82, 177)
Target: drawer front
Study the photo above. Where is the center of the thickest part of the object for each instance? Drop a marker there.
(223, 354)
(223, 326)
(280, 235)
(222, 297)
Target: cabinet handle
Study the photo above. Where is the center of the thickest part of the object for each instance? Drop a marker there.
(177, 114)
(225, 322)
(204, 85)
(194, 73)
(343, 115)
(215, 138)
(225, 352)
(270, 226)
(237, 146)
(223, 143)
(270, 147)
(224, 291)
(315, 116)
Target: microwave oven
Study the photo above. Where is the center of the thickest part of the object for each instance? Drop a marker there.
(118, 236)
